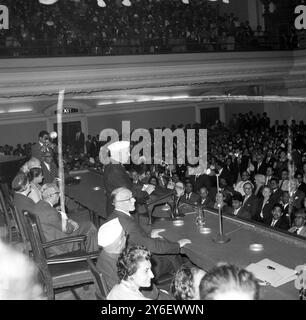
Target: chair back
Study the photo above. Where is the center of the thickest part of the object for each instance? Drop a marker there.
(34, 231)
(99, 281)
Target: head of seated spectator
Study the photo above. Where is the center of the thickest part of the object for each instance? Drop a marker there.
(185, 284)
(122, 199)
(112, 237)
(293, 185)
(229, 282)
(259, 180)
(245, 176)
(21, 184)
(237, 200)
(47, 157)
(248, 188)
(35, 176)
(266, 192)
(50, 193)
(277, 211)
(18, 276)
(179, 188)
(134, 272)
(299, 218)
(274, 183)
(32, 163)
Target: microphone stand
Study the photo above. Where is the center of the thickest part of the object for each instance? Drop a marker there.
(220, 238)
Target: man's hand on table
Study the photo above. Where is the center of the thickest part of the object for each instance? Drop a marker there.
(155, 233)
(183, 242)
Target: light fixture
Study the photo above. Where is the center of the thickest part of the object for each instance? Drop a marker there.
(126, 3)
(226, 1)
(24, 109)
(101, 3)
(47, 2)
(185, 1)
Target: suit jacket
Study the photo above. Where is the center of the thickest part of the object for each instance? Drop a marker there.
(23, 203)
(208, 203)
(51, 224)
(138, 236)
(282, 223)
(302, 187)
(276, 195)
(115, 176)
(266, 211)
(261, 169)
(49, 175)
(250, 205)
(36, 152)
(194, 198)
(200, 181)
(298, 197)
(242, 213)
(302, 233)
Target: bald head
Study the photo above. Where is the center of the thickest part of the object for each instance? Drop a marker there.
(123, 199)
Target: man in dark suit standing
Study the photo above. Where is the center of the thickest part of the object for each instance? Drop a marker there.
(115, 175)
(250, 201)
(38, 148)
(165, 253)
(79, 141)
(49, 168)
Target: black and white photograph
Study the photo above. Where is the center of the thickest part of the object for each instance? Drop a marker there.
(152, 150)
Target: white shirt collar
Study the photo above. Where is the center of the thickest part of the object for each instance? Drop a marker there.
(125, 212)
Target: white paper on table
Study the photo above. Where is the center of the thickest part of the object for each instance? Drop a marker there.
(277, 276)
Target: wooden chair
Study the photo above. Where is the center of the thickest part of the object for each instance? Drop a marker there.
(8, 218)
(99, 281)
(64, 271)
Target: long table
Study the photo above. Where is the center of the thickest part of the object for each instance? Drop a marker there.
(89, 192)
(280, 247)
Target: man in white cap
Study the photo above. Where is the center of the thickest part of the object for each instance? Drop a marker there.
(165, 254)
(115, 175)
(112, 238)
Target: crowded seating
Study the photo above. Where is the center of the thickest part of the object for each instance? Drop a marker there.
(147, 27)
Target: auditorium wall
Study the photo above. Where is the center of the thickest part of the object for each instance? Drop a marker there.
(20, 132)
(142, 119)
(243, 107)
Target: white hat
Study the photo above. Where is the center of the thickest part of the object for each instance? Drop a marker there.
(118, 146)
(109, 232)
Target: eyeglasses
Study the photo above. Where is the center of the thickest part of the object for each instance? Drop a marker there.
(55, 193)
(125, 199)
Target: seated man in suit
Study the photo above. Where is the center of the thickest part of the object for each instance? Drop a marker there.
(296, 195)
(237, 209)
(279, 220)
(112, 238)
(299, 226)
(56, 225)
(190, 196)
(205, 201)
(165, 256)
(22, 189)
